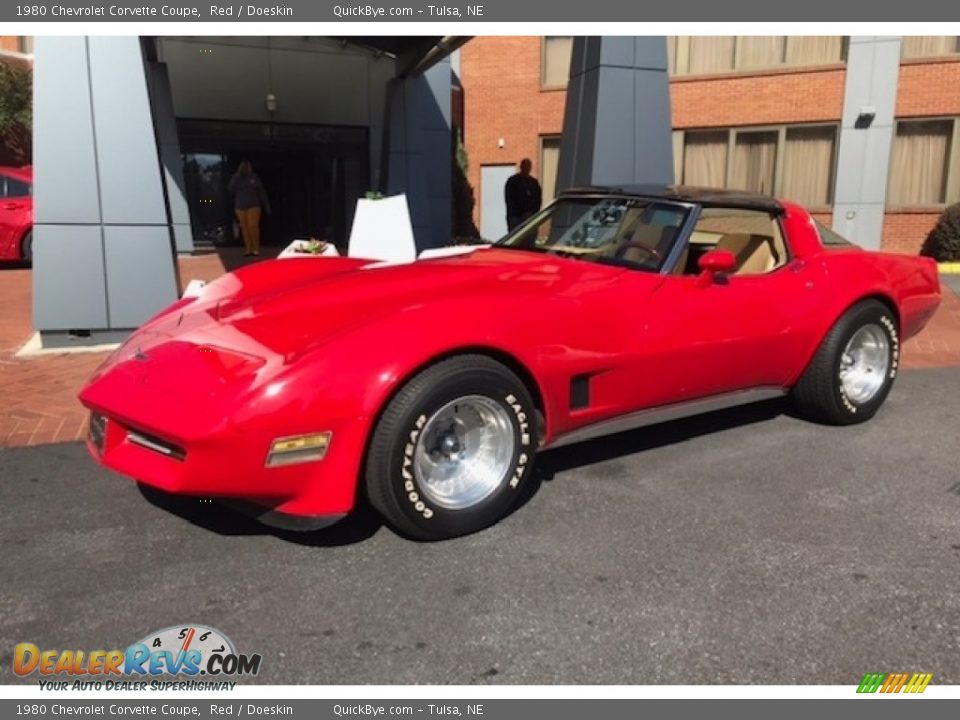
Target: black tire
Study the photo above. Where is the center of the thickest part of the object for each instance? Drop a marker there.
(819, 394)
(393, 484)
(26, 248)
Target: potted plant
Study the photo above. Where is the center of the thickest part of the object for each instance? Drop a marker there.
(311, 247)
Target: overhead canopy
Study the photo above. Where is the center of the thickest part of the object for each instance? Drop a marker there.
(414, 54)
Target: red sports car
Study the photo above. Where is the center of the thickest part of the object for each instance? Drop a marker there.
(299, 386)
(16, 213)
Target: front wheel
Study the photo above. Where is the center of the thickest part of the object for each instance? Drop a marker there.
(26, 248)
(854, 368)
(453, 451)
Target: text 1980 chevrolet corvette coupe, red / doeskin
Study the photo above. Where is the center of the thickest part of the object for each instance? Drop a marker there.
(302, 386)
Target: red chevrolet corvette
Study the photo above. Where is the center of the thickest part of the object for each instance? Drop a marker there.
(299, 385)
(16, 213)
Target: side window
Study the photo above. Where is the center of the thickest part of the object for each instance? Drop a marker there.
(16, 188)
(829, 238)
(753, 236)
(3, 186)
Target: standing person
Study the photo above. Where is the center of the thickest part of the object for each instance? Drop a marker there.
(523, 196)
(249, 198)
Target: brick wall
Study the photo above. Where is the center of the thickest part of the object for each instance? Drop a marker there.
(501, 78)
(757, 99)
(823, 218)
(904, 232)
(926, 88)
(503, 99)
(929, 87)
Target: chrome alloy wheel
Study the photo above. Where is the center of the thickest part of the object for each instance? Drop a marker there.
(865, 363)
(464, 452)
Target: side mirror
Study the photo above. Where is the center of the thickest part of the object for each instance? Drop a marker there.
(713, 262)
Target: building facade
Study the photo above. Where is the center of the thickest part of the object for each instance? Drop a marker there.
(864, 131)
(136, 138)
(16, 45)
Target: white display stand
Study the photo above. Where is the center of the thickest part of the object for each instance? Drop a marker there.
(382, 231)
(293, 250)
(450, 251)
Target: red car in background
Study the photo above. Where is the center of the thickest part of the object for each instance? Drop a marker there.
(16, 213)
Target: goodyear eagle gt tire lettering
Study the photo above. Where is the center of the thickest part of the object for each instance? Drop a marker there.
(854, 368)
(453, 451)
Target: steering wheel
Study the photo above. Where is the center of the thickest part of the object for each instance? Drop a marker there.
(621, 251)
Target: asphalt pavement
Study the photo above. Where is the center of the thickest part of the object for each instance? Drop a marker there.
(746, 546)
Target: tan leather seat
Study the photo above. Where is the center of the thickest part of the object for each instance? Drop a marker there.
(656, 237)
(754, 253)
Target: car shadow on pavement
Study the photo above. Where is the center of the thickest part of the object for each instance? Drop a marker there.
(649, 437)
(359, 525)
(364, 522)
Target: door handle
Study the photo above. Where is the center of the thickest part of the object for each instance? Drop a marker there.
(11, 206)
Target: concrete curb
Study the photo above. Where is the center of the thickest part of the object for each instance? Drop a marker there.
(34, 348)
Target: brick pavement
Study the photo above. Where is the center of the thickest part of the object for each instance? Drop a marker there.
(38, 401)
(38, 396)
(938, 345)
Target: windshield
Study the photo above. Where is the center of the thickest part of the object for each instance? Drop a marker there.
(630, 232)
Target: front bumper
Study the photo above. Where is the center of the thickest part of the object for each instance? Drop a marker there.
(281, 520)
(190, 417)
(231, 464)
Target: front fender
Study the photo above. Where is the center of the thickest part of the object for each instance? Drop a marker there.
(356, 372)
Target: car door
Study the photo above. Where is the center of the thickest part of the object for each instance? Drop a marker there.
(15, 203)
(7, 218)
(742, 330)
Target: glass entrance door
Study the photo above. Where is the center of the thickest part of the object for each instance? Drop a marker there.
(313, 177)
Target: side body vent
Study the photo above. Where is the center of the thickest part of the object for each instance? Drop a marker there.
(579, 392)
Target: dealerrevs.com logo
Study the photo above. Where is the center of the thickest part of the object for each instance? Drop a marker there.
(183, 651)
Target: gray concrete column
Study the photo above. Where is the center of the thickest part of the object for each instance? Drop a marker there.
(616, 126)
(165, 124)
(103, 258)
(418, 155)
(866, 138)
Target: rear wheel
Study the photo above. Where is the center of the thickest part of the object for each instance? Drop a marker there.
(453, 451)
(854, 368)
(26, 248)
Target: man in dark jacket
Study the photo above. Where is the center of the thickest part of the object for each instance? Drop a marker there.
(523, 196)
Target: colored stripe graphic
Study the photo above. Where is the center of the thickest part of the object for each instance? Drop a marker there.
(918, 683)
(894, 682)
(871, 682)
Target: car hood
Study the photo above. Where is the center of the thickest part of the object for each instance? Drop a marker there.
(215, 353)
(290, 306)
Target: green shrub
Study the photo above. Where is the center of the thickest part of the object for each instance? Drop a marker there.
(16, 113)
(461, 218)
(943, 242)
